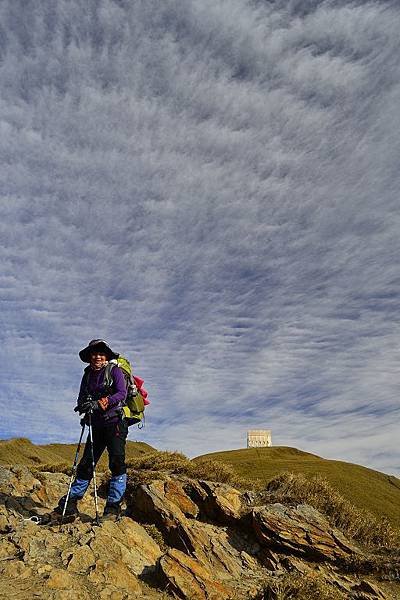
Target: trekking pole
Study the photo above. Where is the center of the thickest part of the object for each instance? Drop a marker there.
(93, 465)
(74, 467)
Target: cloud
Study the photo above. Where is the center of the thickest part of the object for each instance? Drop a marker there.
(212, 188)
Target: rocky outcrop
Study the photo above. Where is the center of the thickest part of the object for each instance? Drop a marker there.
(195, 540)
(300, 530)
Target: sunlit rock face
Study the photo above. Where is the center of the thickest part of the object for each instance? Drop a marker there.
(196, 539)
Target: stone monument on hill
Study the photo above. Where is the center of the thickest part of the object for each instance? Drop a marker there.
(259, 438)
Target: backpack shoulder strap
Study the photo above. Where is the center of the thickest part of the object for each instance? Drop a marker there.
(85, 379)
(108, 380)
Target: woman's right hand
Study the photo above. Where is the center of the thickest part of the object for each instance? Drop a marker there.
(103, 403)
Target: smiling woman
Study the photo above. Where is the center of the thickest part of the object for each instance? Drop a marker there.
(170, 169)
(102, 409)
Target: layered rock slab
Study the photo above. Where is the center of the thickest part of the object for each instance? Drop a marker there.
(300, 530)
(188, 578)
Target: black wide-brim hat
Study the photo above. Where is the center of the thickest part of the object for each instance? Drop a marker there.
(100, 346)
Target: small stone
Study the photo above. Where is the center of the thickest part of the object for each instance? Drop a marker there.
(44, 569)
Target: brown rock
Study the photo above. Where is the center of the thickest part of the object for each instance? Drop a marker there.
(175, 493)
(190, 579)
(117, 574)
(301, 530)
(65, 586)
(7, 549)
(366, 589)
(36, 542)
(151, 505)
(79, 559)
(60, 579)
(4, 524)
(126, 541)
(195, 491)
(52, 487)
(44, 569)
(15, 569)
(213, 547)
(110, 593)
(223, 502)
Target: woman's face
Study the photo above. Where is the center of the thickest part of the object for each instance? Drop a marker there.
(98, 360)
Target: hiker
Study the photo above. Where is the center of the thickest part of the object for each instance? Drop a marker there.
(108, 428)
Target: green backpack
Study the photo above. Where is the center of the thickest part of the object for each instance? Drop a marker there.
(136, 395)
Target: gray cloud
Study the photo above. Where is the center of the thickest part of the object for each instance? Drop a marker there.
(213, 188)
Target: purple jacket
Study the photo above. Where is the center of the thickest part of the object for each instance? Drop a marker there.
(93, 383)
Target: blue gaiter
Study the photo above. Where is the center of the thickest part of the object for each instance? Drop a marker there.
(117, 489)
(79, 487)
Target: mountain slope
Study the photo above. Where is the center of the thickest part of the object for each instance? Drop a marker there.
(21, 451)
(363, 487)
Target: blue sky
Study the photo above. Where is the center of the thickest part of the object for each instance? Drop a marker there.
(213, 188)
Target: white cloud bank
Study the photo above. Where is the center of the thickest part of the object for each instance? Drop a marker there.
(213, 187)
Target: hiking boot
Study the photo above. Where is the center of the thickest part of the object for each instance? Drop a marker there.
(71, 510)
(112, 512)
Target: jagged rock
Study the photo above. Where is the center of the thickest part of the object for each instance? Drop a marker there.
(222, 503)
(6, 477)
(151, 505)
(367, 590)
(301, 530)
(217, 501)
(189, 579)
(175, 493)
(195, 491)
(213, 547)
(126, 541)
(115, 573)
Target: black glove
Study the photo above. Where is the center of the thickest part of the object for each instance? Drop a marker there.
(89, 405)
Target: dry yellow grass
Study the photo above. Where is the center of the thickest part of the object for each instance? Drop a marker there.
(177, 463)
(310, 586)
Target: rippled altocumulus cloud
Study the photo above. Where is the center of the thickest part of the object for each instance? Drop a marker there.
(213, 188)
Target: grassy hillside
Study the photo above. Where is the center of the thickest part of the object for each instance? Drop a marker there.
(365, 488)
(21, 451)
